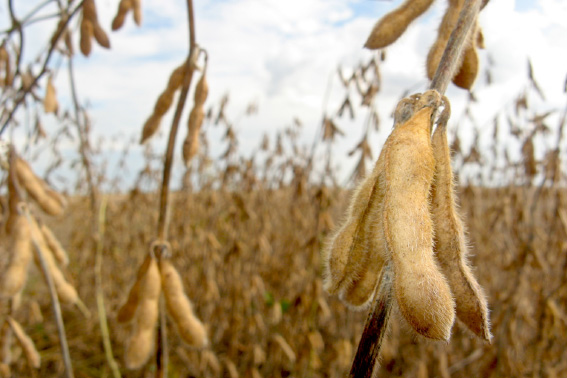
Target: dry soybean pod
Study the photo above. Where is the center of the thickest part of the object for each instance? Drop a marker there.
(163, 103)
(128, 309)
(394, 24)
(55, 246)
(26, 343)
(179, 307)
(355, 254)
(196, 117)
(422, 292)
(468, 72)
(450, 241)
(446, 27)
(50, 201)
(123, 8)
(15, 276)
(141, 342)
(65, 291)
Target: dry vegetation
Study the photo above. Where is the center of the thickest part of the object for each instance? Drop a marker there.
(243, 249)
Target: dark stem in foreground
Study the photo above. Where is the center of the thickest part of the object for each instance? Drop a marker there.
(368, 351)
(162, 358)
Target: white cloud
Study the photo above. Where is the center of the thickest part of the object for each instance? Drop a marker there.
(282, 53)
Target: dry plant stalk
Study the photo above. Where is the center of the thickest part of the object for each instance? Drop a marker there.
(124, 7)
(394, 24)
(26, 343)
(141, 341)
(450, 241)
(163, 103)
(91, 28)
(49, 200)
(190, 328)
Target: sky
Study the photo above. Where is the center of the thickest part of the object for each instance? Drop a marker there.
(283, 56)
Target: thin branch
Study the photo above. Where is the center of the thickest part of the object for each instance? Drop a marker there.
(448, 64)
(163, 353)
(368, 351)
(26, 91)
(54, 301)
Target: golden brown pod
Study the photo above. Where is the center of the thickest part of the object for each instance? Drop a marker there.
(179, 307)
(55, 247)
(50, 104)
(190, 146)
(15, 276)
(141, 342)
(422, 292)
(390, 27)
(137, 7)
(450, 240)
(87, 32)
(50, 201)
(100, 36)
(201, 89)
(65, 291)
(123, 8)
(26, 343)
(128, 309)
(468, 71)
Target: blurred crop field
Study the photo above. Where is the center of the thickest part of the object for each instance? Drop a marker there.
(248, 248)
(245, 230)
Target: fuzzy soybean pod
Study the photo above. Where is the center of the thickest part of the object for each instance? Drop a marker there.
(450, 242)
(140, 344)
(394, 24)
(15, 276)
(65, 291)
(128, 309)
(190, 328)
(26, 343)
(468, 71)
(55, 247)
(446, 27)
(422, 292)
(163, 103)
(50, 201)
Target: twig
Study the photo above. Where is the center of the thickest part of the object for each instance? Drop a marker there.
(162, 353)
(374, 331)
(25, 91)
(102, 318)
(448, 64)
(54, 301)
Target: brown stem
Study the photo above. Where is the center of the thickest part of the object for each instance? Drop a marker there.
(54, 302)
(448, 64)
(163, 352)
(370, 343)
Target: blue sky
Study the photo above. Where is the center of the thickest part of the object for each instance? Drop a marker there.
(281, 55)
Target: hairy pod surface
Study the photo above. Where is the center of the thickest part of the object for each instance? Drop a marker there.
(26, 343)
(390, 27)
(65, 291)
(15, 276)
(179, 307)
(467, 73)
(54, 246)
(422, 292)
(128, 309)
(50, 201)
(450, 242)
(141, 342)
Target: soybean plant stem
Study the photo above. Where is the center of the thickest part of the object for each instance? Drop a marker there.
(162, 347)
(448, 64)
